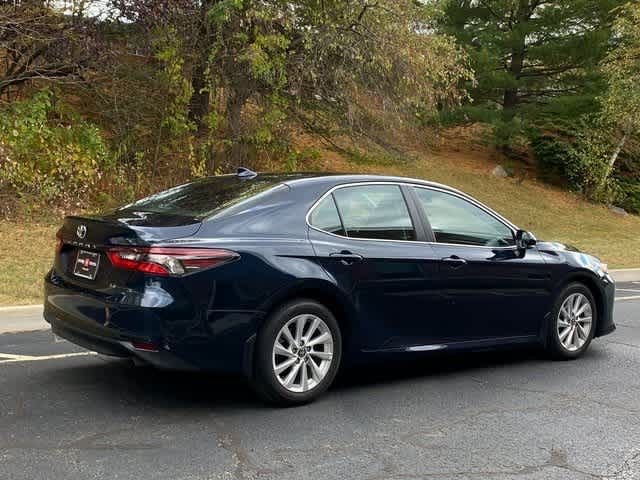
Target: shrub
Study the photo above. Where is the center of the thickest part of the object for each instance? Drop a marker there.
(581, 164)
(47, 155)
(588, 168)
(552, 155)
(630, 195)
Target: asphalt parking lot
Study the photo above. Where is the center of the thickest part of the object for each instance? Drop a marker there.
(68, 414)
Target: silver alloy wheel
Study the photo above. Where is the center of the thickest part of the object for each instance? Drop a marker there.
(302, 353)
(574, 321)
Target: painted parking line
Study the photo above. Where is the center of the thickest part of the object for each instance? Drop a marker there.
(11, 358)
(632, 297)
(618, 289)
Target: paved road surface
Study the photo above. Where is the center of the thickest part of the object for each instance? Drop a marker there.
(65, 414)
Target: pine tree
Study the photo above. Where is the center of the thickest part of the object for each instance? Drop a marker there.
(536, 59)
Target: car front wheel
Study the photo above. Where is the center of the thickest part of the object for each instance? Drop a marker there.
(298, 353)
(572, 325)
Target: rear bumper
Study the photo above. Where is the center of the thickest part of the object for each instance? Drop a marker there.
(114, 348)
(183, 337)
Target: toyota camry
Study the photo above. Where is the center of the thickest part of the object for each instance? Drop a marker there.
(287, 278)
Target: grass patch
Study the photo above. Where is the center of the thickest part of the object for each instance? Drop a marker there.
(26, 254)
(26, 249)
(359, 159)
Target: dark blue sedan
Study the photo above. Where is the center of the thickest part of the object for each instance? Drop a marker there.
(285, 278)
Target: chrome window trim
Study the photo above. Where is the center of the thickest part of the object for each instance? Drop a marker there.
(456, 193)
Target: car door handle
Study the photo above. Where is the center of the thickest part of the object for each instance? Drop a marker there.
(454, 261)
(346, 257)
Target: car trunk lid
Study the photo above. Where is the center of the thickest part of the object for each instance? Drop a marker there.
(82, 259)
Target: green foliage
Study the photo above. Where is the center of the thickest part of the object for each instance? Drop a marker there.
(296, 157)
(178, 91)
(375, 159)
(221, 11)
(536, 63)
(173, 133)
(541, 70)
(266, 55)
(185, 89)
(579, 163)
(271, 121)
(622, 100)
(507, 133)
(191, 88)
(588, 166)
(629, 195)
(320, 62)
(48, 154)
(552, 156)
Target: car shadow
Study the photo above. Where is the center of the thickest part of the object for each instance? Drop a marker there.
(147, 387)
(431, 365)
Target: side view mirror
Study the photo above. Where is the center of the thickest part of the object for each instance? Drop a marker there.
(525, 239)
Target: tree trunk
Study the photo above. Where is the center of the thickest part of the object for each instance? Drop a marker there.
(237, 150)
(616, 152)
(614, 155)
(199, 103)
(511, 99)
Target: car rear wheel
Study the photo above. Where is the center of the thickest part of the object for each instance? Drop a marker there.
(298, 353)
(572, 326)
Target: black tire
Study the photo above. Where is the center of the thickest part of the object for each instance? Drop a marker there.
(264, 380)
(554, 346)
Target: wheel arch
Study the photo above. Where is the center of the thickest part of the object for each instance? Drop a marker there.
(589, 280)
(323, 292)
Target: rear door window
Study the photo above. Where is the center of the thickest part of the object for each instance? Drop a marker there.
(374, 212)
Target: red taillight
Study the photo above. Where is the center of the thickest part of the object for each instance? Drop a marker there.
(145, 346)
(168, 261)
(59, 242)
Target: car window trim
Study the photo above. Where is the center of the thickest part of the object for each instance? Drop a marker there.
(409, 185)
(418, 211)
(475, 203)
(335, 205)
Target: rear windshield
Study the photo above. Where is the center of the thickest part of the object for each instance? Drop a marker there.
(205, 197)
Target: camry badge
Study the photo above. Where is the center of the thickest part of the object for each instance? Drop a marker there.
(81, 231)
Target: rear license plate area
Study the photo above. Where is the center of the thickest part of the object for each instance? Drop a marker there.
(86, 265)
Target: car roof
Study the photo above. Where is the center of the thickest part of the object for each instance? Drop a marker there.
(334, 179)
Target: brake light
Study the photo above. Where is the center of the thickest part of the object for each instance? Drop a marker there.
(168, 261)
(145, 346)
(59, 242)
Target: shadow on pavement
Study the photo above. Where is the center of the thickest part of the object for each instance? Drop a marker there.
(118, 381)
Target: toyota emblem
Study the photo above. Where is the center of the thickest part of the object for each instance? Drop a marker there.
(81, 231)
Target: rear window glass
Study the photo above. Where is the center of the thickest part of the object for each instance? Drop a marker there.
(204, 197)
